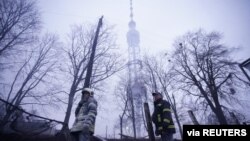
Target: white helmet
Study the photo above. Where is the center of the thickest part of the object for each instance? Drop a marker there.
(88, 90)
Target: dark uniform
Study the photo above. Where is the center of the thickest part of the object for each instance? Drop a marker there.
(162, 119)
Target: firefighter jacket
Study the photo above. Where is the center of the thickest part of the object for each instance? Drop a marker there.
(86, 116)
(162, 117)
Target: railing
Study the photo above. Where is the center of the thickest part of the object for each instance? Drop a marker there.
(16, 122)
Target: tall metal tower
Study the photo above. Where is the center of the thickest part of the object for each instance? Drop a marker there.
(136, 90)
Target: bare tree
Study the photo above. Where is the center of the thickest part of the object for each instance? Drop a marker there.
(203, 69)
(122, 101)
(19, 21)
(38, 63)
(158, 78)
(106, 61)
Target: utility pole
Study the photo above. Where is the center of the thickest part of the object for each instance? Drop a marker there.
(106, 132)
(193, 118)
(149, 122)
(92, 56)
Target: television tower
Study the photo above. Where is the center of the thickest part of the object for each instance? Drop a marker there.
(136, 90)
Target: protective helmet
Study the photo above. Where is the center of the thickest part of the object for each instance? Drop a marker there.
(156, 93)
(87, 90)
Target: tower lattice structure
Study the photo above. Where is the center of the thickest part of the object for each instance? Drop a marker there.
(136, 91)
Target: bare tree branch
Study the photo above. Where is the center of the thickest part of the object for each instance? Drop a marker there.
(19, 21)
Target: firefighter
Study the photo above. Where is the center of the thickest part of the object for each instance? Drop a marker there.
(85, 114)
(162, 118)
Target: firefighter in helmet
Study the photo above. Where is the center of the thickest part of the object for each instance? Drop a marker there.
(162, 118)
(85, 114)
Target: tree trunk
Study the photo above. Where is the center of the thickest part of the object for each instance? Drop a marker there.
(178, 122)
(220, 115)
(218, 109)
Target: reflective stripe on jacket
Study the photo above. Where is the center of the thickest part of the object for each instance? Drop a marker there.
(162, 117)
(86, 115)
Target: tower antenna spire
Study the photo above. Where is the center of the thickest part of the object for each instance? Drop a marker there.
(131, 10)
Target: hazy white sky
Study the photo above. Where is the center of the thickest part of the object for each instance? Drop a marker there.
(158, 21)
